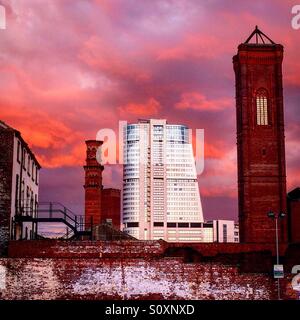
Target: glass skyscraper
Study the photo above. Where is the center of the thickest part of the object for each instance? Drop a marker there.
(161, 197)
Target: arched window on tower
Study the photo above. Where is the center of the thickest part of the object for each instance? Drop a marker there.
(262, 107)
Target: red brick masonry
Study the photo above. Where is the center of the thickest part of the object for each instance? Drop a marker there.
(261, 150)
(127, 249)
(55, 269)
(167, 278)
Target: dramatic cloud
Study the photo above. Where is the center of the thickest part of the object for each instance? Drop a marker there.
(71, 67)
(149, 109)
(197, 101)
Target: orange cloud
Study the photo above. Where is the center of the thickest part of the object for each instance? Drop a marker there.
(149, 108)
(63, 158)
(198, 101)
(58, 144)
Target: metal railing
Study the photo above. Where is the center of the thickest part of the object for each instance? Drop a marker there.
(55, 212)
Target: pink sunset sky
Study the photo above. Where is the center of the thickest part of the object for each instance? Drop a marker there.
(71, 67)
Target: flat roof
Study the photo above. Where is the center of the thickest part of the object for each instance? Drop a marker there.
(24, 143)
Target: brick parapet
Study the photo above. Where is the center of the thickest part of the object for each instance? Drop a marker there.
(128, 248)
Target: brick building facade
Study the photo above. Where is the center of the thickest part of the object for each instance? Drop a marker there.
(111, 206)
(293, 199)
(260, 138)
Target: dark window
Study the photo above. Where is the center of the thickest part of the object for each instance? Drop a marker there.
(22, 192)
(35, 205)
(28, 165)
(32, 171)
(27, 198)
(132, 225)
(31, 204)
(19, 152)
(17, 193)
(183, 225)
(24, 159)
(171, 225)
(195, 225)
(158, 224)
(224, 232)
(208, 225)
(36, 176)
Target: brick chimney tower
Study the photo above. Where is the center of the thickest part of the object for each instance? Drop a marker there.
(260, 138)
(93, 184)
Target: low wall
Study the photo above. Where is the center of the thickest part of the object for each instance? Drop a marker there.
(213, 249)
(167, 278)
(56, 269)
(85, 249)
(128, 249)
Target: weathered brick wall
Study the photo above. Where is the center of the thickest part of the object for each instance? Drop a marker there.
(85, 249)
(6, 162)
(128, 248)
(53, 269)
(212, 249)
(167, 278)
(249, 257)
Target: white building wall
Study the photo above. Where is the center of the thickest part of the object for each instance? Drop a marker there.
(225, 231)
(25, 194)
(160, 183)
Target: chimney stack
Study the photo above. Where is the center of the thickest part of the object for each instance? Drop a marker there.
(93, 184)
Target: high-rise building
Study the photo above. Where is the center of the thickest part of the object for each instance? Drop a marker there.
(161, 197)
(19, 187)
(260, 138)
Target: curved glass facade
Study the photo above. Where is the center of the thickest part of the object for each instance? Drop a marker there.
(160, 190)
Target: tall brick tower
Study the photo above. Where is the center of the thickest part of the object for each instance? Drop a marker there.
(93, 184)
(260, 138)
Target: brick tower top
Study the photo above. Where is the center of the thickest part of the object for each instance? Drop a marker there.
(93, 153)
(259, 46)
(93, 183)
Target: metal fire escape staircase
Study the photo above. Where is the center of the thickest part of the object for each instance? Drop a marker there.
(54, 212)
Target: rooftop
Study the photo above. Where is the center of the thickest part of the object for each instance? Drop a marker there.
(259, 37)
(5, 126)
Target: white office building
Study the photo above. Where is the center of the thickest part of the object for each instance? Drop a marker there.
(161, 197)
(225, 231)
